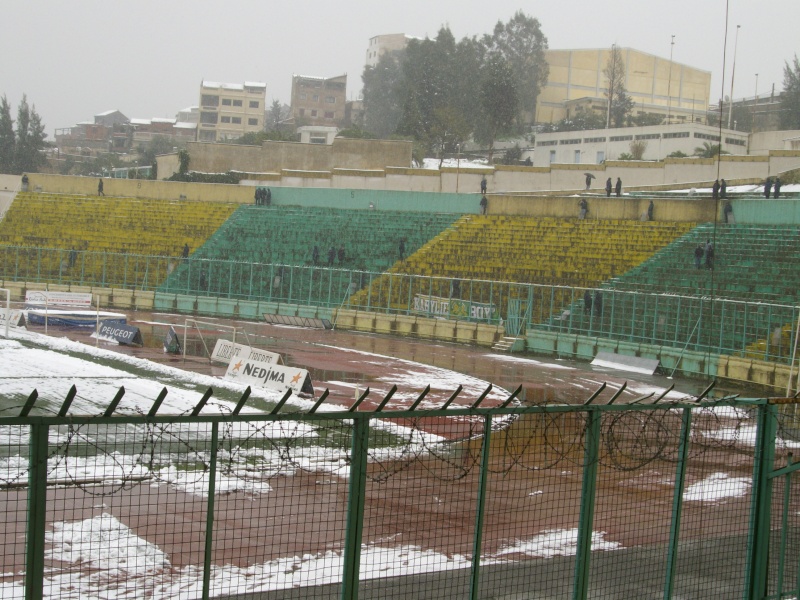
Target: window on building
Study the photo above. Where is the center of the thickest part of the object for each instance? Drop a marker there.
(225, 119)
(303, 96)
(315, 97)
(236, 120)
(552, 156)
(208, 136)
(577, 157)
(209, 118)
(329, 114)
(237, 102)
(330, 99)
(621, 138)
(253, 103)
(601, 157)
(313, 113)
(226, 102)
(563, 142)
(209, 100)
(252, 121)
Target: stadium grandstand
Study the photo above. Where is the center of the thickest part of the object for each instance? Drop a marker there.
(550, 284)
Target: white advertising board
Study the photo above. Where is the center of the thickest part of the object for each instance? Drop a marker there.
(225, 351)
(262, 374)
(41, 298)
(14, 317)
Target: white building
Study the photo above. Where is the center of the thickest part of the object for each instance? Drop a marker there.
(597, 145)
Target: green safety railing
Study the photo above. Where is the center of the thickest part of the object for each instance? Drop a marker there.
(700, 323)
(559, 500)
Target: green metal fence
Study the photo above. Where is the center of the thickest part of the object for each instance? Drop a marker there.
(759, 330)
(689, 498)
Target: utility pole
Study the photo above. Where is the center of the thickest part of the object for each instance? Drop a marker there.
(733, 75)
(755, 108)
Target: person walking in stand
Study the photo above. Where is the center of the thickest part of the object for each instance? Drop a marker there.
(650, 209)
(315, 255)
(715, 190)
(709, 255)
(767, 187)
(777, 187)
(331, 256)
(618, 187)
(609, 187)
(698, 256)
(402, 249)
(727, 211)
(100, 187)
(723, 189)
(185, 253)
(340, 255)
(588, 181)
(483, 185)
(584, 206)
(484, 204)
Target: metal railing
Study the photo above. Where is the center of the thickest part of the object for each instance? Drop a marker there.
(643, 499)
(700, 323)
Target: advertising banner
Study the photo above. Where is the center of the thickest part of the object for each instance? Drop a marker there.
(172, 345)
(453, 308)
(225, 351)
(42, 298)
(256, 373)
(124, 334)
(14, 318)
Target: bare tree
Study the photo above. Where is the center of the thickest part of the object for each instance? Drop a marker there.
(620, 104)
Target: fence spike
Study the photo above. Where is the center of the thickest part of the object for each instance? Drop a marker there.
(242, 400)
(359, 401)
(113, 406)
(386, 399)
(157, 403)
(452, 397)
(597, 392)
(481, 397)
(420, 397)
(26, 408)
(617, 394)
(511, 397)
(73, 391)
(664, 393)
(320, 401)
(705, 392)
(642, 398)
(281, 402)
(202, 403)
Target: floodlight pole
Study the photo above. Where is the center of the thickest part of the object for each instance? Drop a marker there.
(669, 80)
(733, 74)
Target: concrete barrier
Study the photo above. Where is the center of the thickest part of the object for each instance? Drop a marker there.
(406, 324)
(445, 330)
(364, 321)
(384, 323)
(466, 332)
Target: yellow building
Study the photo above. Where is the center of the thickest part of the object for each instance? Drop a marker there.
(656, 85)
(229, 110)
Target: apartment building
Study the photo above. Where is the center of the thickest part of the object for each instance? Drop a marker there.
(229, 110)
(318, 100)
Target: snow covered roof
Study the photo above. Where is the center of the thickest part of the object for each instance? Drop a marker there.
(185, 125)
(255, 84)
(163, 120)
(140, 121)
(108, 112)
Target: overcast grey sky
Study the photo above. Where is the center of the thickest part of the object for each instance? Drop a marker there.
(146, 58)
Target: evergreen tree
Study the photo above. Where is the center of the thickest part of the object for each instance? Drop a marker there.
(521, 43)
(30, 135)
(382, 103)
(7, 138)
(790, 98)
(499, 101)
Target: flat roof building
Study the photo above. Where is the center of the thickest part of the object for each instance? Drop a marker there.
(318, 100)
(229, 110)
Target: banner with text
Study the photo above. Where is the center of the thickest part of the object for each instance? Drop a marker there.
(42, 298)
(267, 375)
(14, 317)
(124, 334)
(453, 308)
(225, 351)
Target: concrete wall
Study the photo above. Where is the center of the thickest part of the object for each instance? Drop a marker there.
(272, 157)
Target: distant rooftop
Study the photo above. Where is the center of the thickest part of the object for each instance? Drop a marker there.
(233, 86)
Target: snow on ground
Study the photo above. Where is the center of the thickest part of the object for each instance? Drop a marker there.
(103, 558)
(717, 486)
(741, 189)
(433, 163)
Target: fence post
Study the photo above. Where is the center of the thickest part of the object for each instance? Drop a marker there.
(756, 575)
(677, 501)
(583, 555)
(37, 510)
(212, 481)
(480, 509)
(355, 507)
